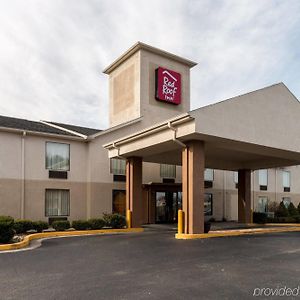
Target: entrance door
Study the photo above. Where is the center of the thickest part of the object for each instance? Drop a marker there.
(167, 206)
(119, 202)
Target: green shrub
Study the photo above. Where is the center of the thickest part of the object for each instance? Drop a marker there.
(80, 224)
(292, 210)
(6, 219)
(259, 217)
(281, 211)
(61, 225)
(39, 226)
(96, 223)
(298, 208)
(273, 206)
(21, 226)
(294, 219)
(6, 229)
(114, 220)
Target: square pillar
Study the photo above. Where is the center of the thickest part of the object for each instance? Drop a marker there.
(193, 163)
(134, 190)
(244, 196)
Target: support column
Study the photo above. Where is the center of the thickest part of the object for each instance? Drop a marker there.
(134, 190)
(193, 163)
(244, 196)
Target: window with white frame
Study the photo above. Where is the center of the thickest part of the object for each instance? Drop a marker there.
(57, 203)
(236, 177)
(263, 179)
(57, 156)
(209, 175)
(118, 166)
(286, 180)
(167, 171)
(262, 204)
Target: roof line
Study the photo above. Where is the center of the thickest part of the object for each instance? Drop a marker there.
(64, 129)
(139, 46)
(240, 95)
(40, 133)
(149, 130)
(116, 127)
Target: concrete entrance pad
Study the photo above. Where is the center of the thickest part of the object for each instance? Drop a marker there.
(225, 229)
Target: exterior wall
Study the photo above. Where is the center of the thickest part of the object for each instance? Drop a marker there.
(132, 90)
(91, 183)
(35, 198)
(225, 197)
(157, 111)
(36, 179)
(124, 91)
(10, 174)
(10, 197)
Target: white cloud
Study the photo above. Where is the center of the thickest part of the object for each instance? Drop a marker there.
(52, 52)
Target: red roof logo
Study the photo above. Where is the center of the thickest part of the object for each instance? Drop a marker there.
(168, 86)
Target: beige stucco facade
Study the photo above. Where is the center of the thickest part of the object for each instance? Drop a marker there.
(229, 130)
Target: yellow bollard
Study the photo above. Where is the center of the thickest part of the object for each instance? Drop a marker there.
(180, 221)
(128, 218)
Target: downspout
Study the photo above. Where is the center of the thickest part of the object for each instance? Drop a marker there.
(224, 195)
(276, 185)
(118, 149)
(23, 175)
(174, 137)
(253, 191)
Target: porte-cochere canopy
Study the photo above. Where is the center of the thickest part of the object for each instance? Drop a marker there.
(257, 130)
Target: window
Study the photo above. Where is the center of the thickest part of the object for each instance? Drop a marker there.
(167, 171)
(236, 179)
(57, 156)
(286, 181)
(208, 204)
(286, 201)
(119, 202)
(57, 203)
(118, 166)
(208, 178)
(262, 205)
(209, 175)
(263, 179)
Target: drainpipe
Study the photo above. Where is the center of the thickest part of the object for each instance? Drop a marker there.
(174, 137)
(23, 175)
(224, 194)
(252, 187)
(118, 149)
(276, 185)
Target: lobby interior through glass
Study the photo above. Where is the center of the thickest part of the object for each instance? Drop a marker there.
(167, 204)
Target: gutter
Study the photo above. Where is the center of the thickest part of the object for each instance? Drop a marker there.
(148, 131)
(174, 137)
(39, 133)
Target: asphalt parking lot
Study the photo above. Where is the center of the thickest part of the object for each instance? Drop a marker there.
(152, 265)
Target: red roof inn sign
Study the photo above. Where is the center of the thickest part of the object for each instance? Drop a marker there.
(168, 86)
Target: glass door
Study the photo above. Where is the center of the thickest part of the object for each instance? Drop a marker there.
(167, 207)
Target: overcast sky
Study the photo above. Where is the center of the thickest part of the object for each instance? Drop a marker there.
(52, 52)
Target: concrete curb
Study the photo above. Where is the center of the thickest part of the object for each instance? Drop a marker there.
(237, 232)
(42, 235)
